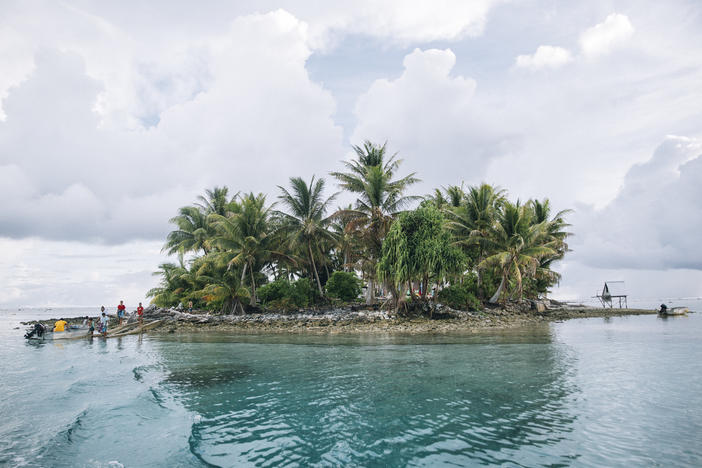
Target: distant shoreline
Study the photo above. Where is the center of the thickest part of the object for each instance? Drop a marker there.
(462, 322)
(365, 321)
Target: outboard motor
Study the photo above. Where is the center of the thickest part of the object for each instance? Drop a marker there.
(37, 330)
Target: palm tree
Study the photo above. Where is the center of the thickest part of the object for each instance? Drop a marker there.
(455, 195)
(343, 237)
(555, 230)
(242, 237)
(472, 220)
(517, 245)
(220, 285)
(215, 201)
(191, 234)
(541, 213)
(173, 286)
(380, 199)
(305, 224)
(193, 231)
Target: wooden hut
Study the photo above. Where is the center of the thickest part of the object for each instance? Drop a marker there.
(612, 292)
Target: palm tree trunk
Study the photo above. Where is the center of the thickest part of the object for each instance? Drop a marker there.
(370, 293)
(243, 275)
(346, 260)
(520, 292)
(253, 287)
(396, 298)
(496, 296)
(314, 268)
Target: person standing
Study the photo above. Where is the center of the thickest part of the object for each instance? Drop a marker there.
(120, 311)
(103, 322)
(91, 327)
(190, 307)
(140, 314)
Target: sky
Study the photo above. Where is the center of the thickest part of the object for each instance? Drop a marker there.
(115, 114)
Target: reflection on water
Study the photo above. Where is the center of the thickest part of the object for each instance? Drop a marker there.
(335, 401)
(197, 377)
(618, 392)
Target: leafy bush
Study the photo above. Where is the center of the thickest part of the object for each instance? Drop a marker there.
(343, 285)
(460, 297)
(282, 294)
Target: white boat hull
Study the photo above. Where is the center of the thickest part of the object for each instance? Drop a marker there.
(676, 311)
(71, 334)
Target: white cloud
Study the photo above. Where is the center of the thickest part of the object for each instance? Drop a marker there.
(652, 221)
(545, 57)
(144, 71)
(257, 120)
(604, 37)
(646, 288)
(117, 114)
(38, 272)
(432, 118)
(396, 20)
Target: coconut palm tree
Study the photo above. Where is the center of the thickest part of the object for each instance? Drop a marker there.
(517, 246)
(305, 223)
(344, 240)
(455, 195)
(215, 201)
(221, 285)
(380, 199)
(173, 286)
(472, 220)
(555, 228)
(242, 237)
(192, 233)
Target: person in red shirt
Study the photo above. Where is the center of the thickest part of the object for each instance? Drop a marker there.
(140, 314)
(120, 311)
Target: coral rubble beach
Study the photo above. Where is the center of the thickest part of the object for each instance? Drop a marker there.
(360, 319)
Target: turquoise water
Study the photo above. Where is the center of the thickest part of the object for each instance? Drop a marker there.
(592, 392)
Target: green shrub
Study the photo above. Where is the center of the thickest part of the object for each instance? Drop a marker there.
(305, 292)
(343, 285)
(282, 294)
(460, 297)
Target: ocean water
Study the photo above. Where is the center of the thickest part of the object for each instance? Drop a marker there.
(624, 391)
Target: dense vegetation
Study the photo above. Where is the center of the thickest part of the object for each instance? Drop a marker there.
(459, 246)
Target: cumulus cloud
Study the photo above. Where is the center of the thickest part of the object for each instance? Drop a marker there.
(604, 37)
(545, 57)
(432, 117)
(397, 20)
(256, 121)
(37, 272)
(652, 221)
(114, 116)
(145, 71)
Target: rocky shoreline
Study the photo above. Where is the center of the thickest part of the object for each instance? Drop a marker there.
(361, 320)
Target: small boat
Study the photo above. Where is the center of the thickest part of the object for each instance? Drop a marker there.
(40, 333)
(674, 311)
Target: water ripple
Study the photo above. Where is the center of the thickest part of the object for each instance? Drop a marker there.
(590, 393)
